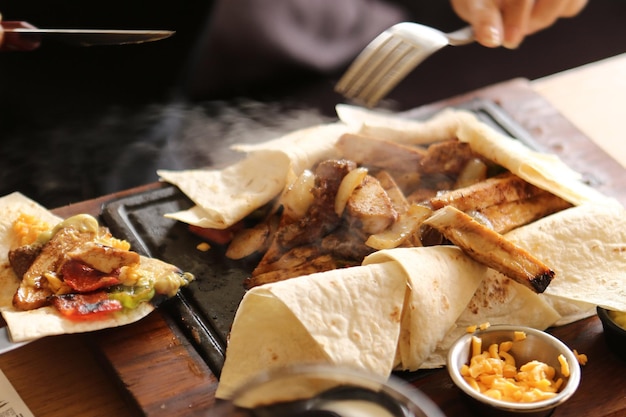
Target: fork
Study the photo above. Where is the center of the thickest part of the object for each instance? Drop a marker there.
(391, 56)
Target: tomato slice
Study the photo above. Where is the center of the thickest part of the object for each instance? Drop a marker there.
(85, 307)
(83, 278)
(219, 236)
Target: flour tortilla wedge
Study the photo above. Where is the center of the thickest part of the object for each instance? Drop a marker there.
(346, 316)
(223, 197)
(545, 171)
(11, 206)
(442, 280)
(390, 126)
(498, 300)
(46, 321)
(586, 247)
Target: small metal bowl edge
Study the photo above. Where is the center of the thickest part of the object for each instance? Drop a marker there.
(614, 335)
(459, 354)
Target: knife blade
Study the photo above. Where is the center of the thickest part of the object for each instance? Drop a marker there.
(6, 344)
(19, 32)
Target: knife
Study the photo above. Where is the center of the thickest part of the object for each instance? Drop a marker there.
(5, 341)
(22, 35)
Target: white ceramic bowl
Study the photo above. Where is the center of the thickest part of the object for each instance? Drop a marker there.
(538, 345)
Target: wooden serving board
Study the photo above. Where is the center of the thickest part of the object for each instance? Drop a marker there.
(162, 374)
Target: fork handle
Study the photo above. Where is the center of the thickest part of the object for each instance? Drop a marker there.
(462, 36)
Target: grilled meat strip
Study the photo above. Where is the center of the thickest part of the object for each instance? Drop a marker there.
(369, 208)
(496, 190)
(448, 157)
(346, 244)
(302, 260)
(395, 194)
(34, 264)
(372, 152)
(103, 258)
(320, 218)
(22, 258)
(490, 248)
(33, 291)
(508, 216)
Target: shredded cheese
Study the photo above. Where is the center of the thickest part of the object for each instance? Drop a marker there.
(494, 372)
(580, 357)
(27, 229)
(203, 247)
(474, 327)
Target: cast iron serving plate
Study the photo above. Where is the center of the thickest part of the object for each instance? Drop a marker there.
(205, 310)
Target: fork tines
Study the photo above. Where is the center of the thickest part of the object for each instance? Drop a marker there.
(379, 68)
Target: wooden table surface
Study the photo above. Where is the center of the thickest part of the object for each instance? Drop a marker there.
(98, 373)
(593, 98)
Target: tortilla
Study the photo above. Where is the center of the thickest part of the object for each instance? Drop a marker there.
(545, 171)
(441, 281)
(390, 126)
(11, 206)
(586, 247)
(498, 300)
(571, 242)
(344, 316)
(46, 321)
(223, 197)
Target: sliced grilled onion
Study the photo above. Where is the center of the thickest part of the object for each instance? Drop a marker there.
(299, 196)
(475, 170)
(349, 183)
(408, 224)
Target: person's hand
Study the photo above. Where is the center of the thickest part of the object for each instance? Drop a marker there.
(14, 41)
(1, 30)
(507, 22)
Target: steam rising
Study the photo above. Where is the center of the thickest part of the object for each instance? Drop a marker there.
(123, 147)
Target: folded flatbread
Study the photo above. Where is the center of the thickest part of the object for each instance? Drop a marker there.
(545, 171)
(400, 302)
(349, 317)
(390, 126)
(11, 206)
(498, 300)
(223, 197)
(46, 321)
(441, 281)
(586, 247)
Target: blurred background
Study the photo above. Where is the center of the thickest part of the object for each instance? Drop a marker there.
(76, 123)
